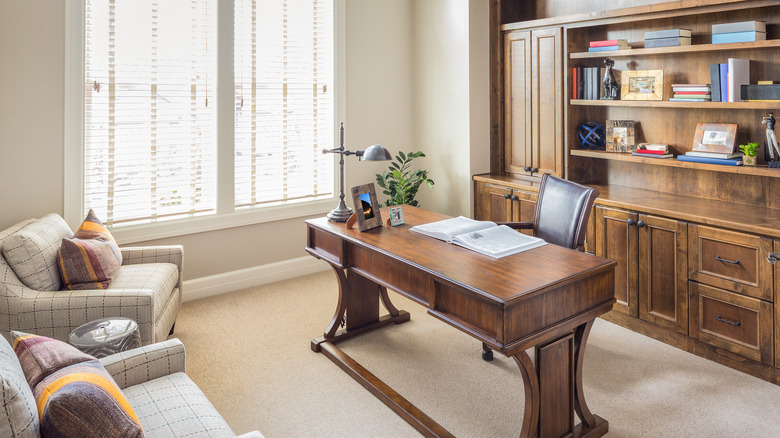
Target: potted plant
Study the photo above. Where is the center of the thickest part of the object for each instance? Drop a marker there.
(401, 183)
(751, 151)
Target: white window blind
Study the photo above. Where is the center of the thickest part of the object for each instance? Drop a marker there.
(150, 109)
(284, 100)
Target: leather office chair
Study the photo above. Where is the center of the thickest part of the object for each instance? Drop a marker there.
(562, 213)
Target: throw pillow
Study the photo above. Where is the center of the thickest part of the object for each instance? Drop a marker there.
(32, 252)
(41, 356)
(19, 416)
(91, 259)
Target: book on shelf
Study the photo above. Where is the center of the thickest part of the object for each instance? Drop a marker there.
(760, 92)
(484, 237)
(691, 93)
(667, 33)
(692, 97)
(650, 152)
(677, 99)
(604, 43)
(710, 160)
(713, 154)
(667, 42)
(646, 155)
(741, 26)
(715, 82)
(738, 37)
(738, 75)
(653, 147)
(692, 88)
(607, 48)
(724, 82)
(580, 83)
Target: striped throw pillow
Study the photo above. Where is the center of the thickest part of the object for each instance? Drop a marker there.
(41, 356)
(91, 259)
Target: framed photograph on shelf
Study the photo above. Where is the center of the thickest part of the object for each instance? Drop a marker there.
(642, 85)
(620, 136)
(366, 207)
(714, 137)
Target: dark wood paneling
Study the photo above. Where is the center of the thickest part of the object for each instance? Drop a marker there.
(326, 244)
(777, 311)
(524, 207)
(415, 285)
(517, 101)
(467, 309)
(617, 240)
(546, 151)
(556, 413)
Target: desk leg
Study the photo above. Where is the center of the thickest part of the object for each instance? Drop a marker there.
(553, 389)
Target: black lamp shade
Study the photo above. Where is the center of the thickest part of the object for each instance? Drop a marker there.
(376, 153)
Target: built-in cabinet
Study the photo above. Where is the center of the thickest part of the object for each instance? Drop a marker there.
(690, 240)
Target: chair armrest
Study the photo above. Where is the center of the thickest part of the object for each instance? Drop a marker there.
(143, 364)
(518, 225)
(252, 434)
(134, 255)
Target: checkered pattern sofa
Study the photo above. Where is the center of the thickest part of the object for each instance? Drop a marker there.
(147, 289)
(152, 379)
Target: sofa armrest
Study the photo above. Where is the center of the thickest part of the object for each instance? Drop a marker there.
(252, 434)
(134, 255)
(140, 365)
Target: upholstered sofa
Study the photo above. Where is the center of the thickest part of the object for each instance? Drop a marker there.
(152, 379)
(146, 289)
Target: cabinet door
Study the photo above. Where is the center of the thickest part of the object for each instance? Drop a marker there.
(524, 207)
(547, 101)
(777, 307)
(616, 240)
(663, 273)
(517, 101)
(493, 203)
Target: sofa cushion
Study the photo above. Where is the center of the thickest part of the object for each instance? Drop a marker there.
(40, 356)
(32, 252)
(82, 400)
(91, 259)
(18, 416)
(160, 278)
(174, 406)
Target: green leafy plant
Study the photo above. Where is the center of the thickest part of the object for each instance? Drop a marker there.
(750, 149)
(401, 183)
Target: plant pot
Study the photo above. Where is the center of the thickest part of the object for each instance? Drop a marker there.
(749, 161)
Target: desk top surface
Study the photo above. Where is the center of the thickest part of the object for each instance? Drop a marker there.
(502, 280)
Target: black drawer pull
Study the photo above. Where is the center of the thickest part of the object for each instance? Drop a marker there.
(726, 261)
(506, 195)
(735, 324)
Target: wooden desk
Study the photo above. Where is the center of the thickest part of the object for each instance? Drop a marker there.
(546, 298)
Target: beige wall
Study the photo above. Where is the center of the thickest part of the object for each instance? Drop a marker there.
(389, 100)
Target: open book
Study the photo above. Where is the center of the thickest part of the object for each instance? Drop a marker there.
(481, 236)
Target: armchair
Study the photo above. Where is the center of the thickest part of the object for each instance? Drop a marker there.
(147, 289)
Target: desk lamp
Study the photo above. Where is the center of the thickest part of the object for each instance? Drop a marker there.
(372, 153)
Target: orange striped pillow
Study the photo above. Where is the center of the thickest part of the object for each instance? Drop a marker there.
(91, 259)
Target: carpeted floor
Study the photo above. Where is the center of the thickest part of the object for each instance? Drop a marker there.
(250, 353)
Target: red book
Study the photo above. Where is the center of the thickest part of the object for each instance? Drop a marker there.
(692, 92)
(574, 82)
(608, 43)
(648, 151)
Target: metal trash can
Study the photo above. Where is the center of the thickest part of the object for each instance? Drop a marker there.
(106, 336)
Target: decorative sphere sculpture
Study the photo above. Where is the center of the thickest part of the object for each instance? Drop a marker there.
(592, 136)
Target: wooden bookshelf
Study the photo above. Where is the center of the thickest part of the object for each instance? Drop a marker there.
(667, 104)
(678, 50)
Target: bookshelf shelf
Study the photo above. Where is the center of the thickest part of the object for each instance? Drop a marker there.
(671, 162)
(697, 48)
(668, 104)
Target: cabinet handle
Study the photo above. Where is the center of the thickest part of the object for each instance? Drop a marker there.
(773, 256)
(506, 195)
(630, 222)
(640, 224)
(735, 324)
(736, 262)
(514, 197)
(527, 169)
(534, 170)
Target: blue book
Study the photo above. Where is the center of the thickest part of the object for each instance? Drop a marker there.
(607, 48)
(707, 160)
(688, 100)
(738, 37)
(724, 82)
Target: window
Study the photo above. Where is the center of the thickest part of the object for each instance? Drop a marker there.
(147, 142)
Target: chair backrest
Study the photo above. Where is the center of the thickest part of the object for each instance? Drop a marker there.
(562, 211)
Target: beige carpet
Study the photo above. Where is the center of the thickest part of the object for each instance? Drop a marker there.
(249, 352)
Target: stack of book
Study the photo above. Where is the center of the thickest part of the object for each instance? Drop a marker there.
(728, 78)
(724, 159)
(691, 93)
(587, 82)
(649, 150)
(608, 45)
(668, 38)
(740, 32)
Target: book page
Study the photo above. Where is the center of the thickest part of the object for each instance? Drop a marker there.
(449, 228)
(498, 241)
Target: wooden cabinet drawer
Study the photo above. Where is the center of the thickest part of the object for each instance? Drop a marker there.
(730, 260)
(733, 322)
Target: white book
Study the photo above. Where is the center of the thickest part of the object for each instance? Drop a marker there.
(484, 237)
(739, 74)
(712, 154)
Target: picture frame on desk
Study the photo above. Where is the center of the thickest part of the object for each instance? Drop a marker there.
(714, 137)
(620, 136)
(642, 85)
(366, 207)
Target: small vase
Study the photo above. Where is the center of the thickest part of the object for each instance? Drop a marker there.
(749, 161)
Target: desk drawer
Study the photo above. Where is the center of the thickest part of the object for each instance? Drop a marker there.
(732, 322)
(730, 260)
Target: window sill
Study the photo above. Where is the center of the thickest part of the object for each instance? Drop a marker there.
(140, 233)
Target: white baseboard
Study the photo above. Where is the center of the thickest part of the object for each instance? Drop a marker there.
(243, 278)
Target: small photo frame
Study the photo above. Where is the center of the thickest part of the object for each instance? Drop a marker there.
(642, 85)
(396, 216)
(620, 136)
(714, 137)
(366, 207)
